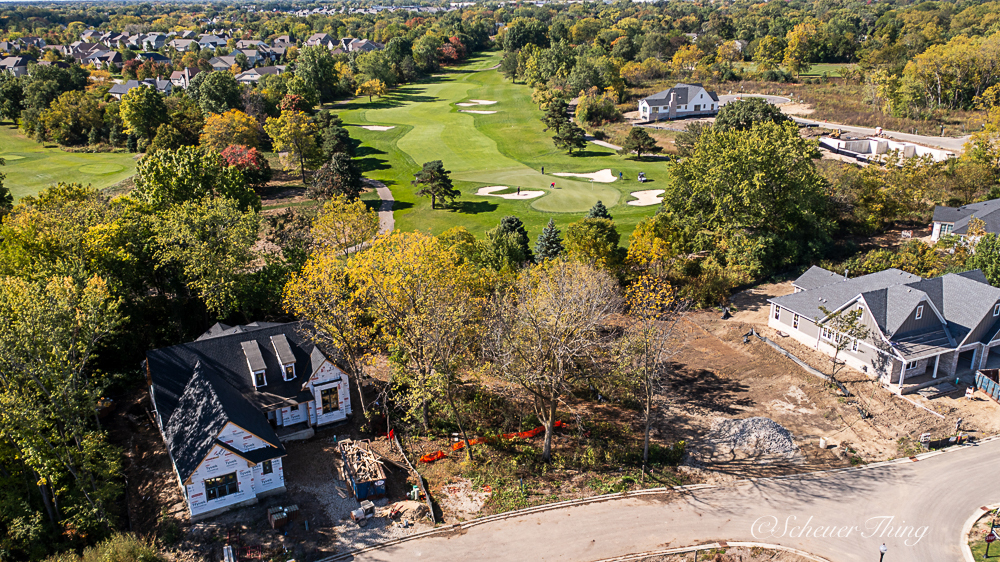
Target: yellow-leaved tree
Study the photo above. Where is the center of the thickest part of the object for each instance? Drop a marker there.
(344, 226)
(229, 128)
(373, 87)
(427, 304)
(294, 135)
(799, 47)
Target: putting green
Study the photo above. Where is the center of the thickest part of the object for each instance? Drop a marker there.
(507, 148)
(32, 167)
(101, 169)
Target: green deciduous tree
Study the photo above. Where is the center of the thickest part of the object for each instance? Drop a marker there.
(317, 69)
(595, 242)
(987, 258)
(434, 180)
(218, 92)
(758, 190)
(210, 241)
(768, 55)
(744, 114)
(190, 173)
(142, 111)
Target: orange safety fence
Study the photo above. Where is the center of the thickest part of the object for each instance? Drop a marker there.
(431, 457)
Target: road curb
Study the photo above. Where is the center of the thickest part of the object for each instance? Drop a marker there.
(684, 549)
(654, 491)
(967, 530)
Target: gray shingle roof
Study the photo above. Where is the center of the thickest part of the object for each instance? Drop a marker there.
(171, 368)
(684, 92)
(815, 277)
(965, 300)
(834, 295)
(988, 211)
(207, 404)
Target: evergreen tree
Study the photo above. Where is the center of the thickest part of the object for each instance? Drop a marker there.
(549, 244)
(94, 137)
(132, 144)
(513, 225)
(555, 115)
(599, 211)
(639, 142)
(571, 136)
(339, 176)
(433, 180)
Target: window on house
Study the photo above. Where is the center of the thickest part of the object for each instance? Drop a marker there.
(854, 345)
(825, 334)
(946, 229)
(777, 313)
(289, 372)
(330, 399)
(221, 486)
(911, 365)
(795, 321)
(266, 468)
(294, 408)
(259, 379)
(996, 310)
(920, 312)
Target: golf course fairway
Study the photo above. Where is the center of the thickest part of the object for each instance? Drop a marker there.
(506, 148)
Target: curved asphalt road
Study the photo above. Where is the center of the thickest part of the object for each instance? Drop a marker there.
(848, 514)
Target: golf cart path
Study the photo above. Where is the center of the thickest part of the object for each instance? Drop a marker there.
(938, 490)
(386, 222)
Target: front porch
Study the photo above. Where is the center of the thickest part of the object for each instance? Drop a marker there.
(295, 432)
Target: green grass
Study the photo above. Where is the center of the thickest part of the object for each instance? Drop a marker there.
(507, 148)
(32, 167)
(831, 69)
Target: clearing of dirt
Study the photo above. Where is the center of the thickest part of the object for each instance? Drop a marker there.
(797, 109)
(378, 127)
(462, 500)
(717, 375)
(601, 176)
(647, 197)
(523, 194)
(477, 112)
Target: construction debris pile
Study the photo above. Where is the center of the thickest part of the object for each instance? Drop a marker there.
(363, 468)
(757, 436)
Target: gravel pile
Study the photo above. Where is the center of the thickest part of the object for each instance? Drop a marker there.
(759, 436)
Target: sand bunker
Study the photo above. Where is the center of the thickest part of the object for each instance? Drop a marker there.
(377, 127)
(476, 112)
(647, 198)
(603, 176)
(489, 191)
(472, 103)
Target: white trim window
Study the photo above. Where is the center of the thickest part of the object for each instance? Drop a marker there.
(795, 321)
(911, 365)
(777, 313)
(996, 310)
(854, 345)
(920, 313)
(826, 334)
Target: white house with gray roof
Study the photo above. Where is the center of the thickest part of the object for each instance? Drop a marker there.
(227, 402)
(683, 100)
(955, 220)
(920, 330)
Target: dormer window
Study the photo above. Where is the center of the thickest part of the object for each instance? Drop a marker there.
(285, 356)
(920, 312)
(255, 361)
(996, 310)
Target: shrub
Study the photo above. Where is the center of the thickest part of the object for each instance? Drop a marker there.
(119, 548)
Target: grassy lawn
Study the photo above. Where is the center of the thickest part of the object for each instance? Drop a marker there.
(831, 69)
(31, 166)
(977, 540)
(507, 148)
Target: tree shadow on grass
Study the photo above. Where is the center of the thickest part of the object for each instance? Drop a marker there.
(362, 151)
(401, 96)
(473, 207)
(587, 153)
(371, 164)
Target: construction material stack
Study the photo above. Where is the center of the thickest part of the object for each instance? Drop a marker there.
(363, 469)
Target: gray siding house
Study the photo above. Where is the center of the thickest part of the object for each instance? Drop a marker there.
(921, 330)
(955, 220)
